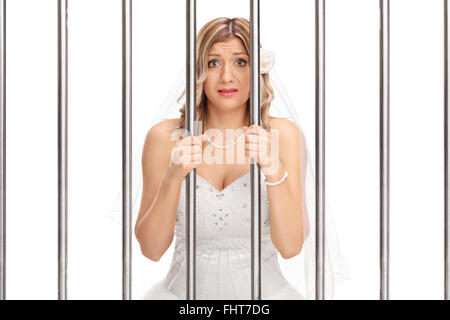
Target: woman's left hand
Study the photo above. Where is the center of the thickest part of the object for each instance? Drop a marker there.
(258, 145)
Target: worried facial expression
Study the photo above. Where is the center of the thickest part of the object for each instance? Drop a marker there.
(227, 84)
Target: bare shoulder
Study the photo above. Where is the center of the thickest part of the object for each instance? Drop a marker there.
(167, 125)
(290, 136)
(163, 130)
(286, 127)
(161, 136)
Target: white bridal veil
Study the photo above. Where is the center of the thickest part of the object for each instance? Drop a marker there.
(299, 270)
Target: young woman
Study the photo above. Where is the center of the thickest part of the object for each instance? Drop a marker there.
(221, 155)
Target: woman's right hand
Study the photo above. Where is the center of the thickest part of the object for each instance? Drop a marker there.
(186, 155)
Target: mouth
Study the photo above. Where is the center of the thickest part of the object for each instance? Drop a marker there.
(227, 92)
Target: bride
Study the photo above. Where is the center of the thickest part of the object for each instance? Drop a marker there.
(221, 154)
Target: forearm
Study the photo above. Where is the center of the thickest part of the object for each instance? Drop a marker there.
(156, 229)
(286, 223)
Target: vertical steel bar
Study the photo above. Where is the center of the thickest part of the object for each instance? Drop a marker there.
(3, 150)
(126, 147)
(255, 175)
(62, 149)
(320, 149)
(446, 146)
(384, 149)
(191, 182)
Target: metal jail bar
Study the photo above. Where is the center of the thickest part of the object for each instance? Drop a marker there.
(320, 149)
(255, 174)
(384, 149)
(191, 178)
(3, 150)
(126, 147)
(446, 147)
(62, 149)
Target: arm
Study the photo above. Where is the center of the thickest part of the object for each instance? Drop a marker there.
(285, 199)
(155, 224)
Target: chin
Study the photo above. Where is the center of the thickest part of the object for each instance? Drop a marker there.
(231, 105)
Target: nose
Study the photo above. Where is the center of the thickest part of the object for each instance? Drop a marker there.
(227, 73)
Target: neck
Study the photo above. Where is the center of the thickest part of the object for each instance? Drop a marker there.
(226, 119)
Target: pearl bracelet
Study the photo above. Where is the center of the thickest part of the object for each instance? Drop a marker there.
(278, 182)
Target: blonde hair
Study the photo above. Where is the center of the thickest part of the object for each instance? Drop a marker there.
(219, 30)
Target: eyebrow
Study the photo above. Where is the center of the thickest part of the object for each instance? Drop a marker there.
(218, 55)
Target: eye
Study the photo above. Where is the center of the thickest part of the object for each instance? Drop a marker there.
(242, 61)
(211, 61)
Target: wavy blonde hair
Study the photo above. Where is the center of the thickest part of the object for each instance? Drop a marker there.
(219, 30)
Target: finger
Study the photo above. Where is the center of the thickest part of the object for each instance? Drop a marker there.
(189, 158)
(187, 141)
(191, 149)
(196, 148)
(255, 127)
(174, 153)
(199, 139)
(196, 157)
(179, 151)
(252, 154)
(255, 131)
(256, 139)
(195, 140)
(265, 160)
(261, 131)
(260, 150)
(251, 147)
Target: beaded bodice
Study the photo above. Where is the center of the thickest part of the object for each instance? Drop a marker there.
(223, 243)
(221, 214)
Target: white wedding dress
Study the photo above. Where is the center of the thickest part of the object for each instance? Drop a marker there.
(223, 265)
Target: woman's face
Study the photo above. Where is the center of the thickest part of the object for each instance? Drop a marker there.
(228, 68)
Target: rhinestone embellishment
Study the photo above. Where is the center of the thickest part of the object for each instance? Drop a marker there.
(220, 216)
(220, 196)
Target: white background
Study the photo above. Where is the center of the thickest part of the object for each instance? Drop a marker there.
(287, 28)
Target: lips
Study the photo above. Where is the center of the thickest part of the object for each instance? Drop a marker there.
(228, 92)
